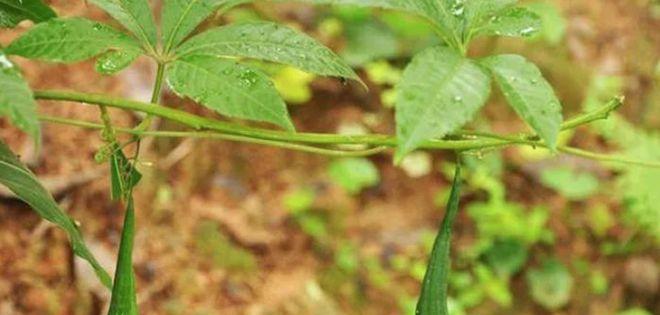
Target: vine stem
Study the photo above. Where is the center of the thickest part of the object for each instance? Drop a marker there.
(217, 136)
(210, 128)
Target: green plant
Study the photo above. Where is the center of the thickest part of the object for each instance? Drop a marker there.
(439, 92)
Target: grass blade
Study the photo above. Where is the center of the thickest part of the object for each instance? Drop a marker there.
(433, 300)
(124, 301)
(15, 176)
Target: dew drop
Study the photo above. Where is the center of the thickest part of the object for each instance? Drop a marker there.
(458, 8)
(5, 63)
(527, 31)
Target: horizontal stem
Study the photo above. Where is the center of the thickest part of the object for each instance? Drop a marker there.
(217, 136)
(210, 128)
(202, 123)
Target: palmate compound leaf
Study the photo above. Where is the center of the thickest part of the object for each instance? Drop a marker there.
(433, 299)
(13, 12)
(181, 17)
(25, 185)
(135, 15)
(76, 39)
(229, 88)
(529, 93)
(271, 42)
(446, 15)
(439, 92)
(16, 99)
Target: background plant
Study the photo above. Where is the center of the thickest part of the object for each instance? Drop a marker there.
(122, 49)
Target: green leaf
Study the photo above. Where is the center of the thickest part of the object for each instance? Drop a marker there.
(116, 60)
(229, 88)
(135, 15)
(446, 15)
(514, 22)
(271, 42)
(506, 256)
(16, 99)
(354, 174)
(123, 175)
(433, 299)
(440, 91)
(181, 17)
(70, 40)
(13, 12)
(25, 185)
(553, 22)
(124, 299)
(572, 185)
(530, 95)
(480, 12)
(550, 285)
(367, 41)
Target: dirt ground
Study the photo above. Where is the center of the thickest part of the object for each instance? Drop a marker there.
(238, 190)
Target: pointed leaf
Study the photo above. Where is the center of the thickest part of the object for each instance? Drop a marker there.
(135, 15)
(439, 92)
(229, 88)
(514, 22)
(268, 41)
(447, 15)
(530, 95)
(16, 99)
(181, 17)
(124, 299)
(13, 12)
(70, 40)
(25, 185)
(433, 299)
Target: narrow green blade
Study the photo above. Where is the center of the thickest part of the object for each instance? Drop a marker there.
(25, 185)
(124, 300)
(433, 300)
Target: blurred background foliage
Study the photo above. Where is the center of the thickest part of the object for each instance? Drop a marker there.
(236, 229)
